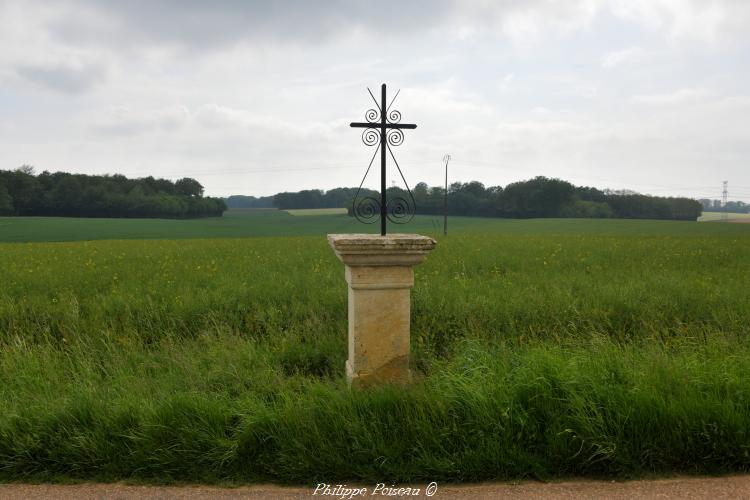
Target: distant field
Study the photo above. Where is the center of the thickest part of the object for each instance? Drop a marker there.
(317, 211)
(717, 216)
(253, 223)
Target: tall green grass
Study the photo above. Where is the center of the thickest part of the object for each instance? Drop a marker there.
(223, 361)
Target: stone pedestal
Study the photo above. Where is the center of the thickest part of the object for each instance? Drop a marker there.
(380, 276)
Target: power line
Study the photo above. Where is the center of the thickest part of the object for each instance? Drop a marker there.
(270, 169)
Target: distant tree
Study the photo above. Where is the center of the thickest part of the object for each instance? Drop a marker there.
(473, 188)
(6, 201)
(66, 196)
(732, 206)
(285, 201)
(79, 195)
(587, 209)
(620, 192)
(638, 206)
(586, 193)
(239, 201)
(26, 169)
(188, 187)
(59, 193)
(24, 189)
(421, 190)
(538, 197)
(309, 198)
(337, 197)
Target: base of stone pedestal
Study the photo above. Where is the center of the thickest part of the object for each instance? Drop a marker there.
(395, 372)
(380, 276)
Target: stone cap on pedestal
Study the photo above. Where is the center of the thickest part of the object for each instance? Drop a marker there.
(377, 250)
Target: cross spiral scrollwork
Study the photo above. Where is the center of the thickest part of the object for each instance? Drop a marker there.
(383, 128)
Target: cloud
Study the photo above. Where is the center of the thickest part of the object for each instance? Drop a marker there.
(203, 25)
(125, 121)
(625, 56)
(680, 96)
(144, 87)
(531, 20)
(69, 79)
(506, 81)
(443, 98)
(200, 25)
(214, 117)
(708, 21)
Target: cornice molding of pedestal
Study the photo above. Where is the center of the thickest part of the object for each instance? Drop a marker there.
(376, 250)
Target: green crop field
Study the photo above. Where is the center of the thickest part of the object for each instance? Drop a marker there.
(247, 223)
(187, 351)
(719, 216)
(317, 211)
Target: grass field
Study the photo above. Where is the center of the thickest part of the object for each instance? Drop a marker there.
(541, 348)
(318, 211)
(251, 223)
(718, 216)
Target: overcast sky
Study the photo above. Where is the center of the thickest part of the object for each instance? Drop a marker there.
(254, 97)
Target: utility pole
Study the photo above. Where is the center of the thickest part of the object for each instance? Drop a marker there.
(446, 159)
(724, 201)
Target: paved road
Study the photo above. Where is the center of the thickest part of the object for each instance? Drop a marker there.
(731, 487)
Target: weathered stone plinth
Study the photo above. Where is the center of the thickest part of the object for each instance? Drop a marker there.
(380, 276)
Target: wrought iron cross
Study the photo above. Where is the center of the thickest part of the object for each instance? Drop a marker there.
(382, 127)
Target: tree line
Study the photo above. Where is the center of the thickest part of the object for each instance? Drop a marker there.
(79, 195)
(242, 201)
(537, 197)
(316, 198)
(737, 207)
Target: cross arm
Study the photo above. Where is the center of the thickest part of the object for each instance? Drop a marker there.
(379, 125)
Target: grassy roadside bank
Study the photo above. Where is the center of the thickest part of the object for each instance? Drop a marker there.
(217, 409)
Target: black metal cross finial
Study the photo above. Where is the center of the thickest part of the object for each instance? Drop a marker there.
(382, 127)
